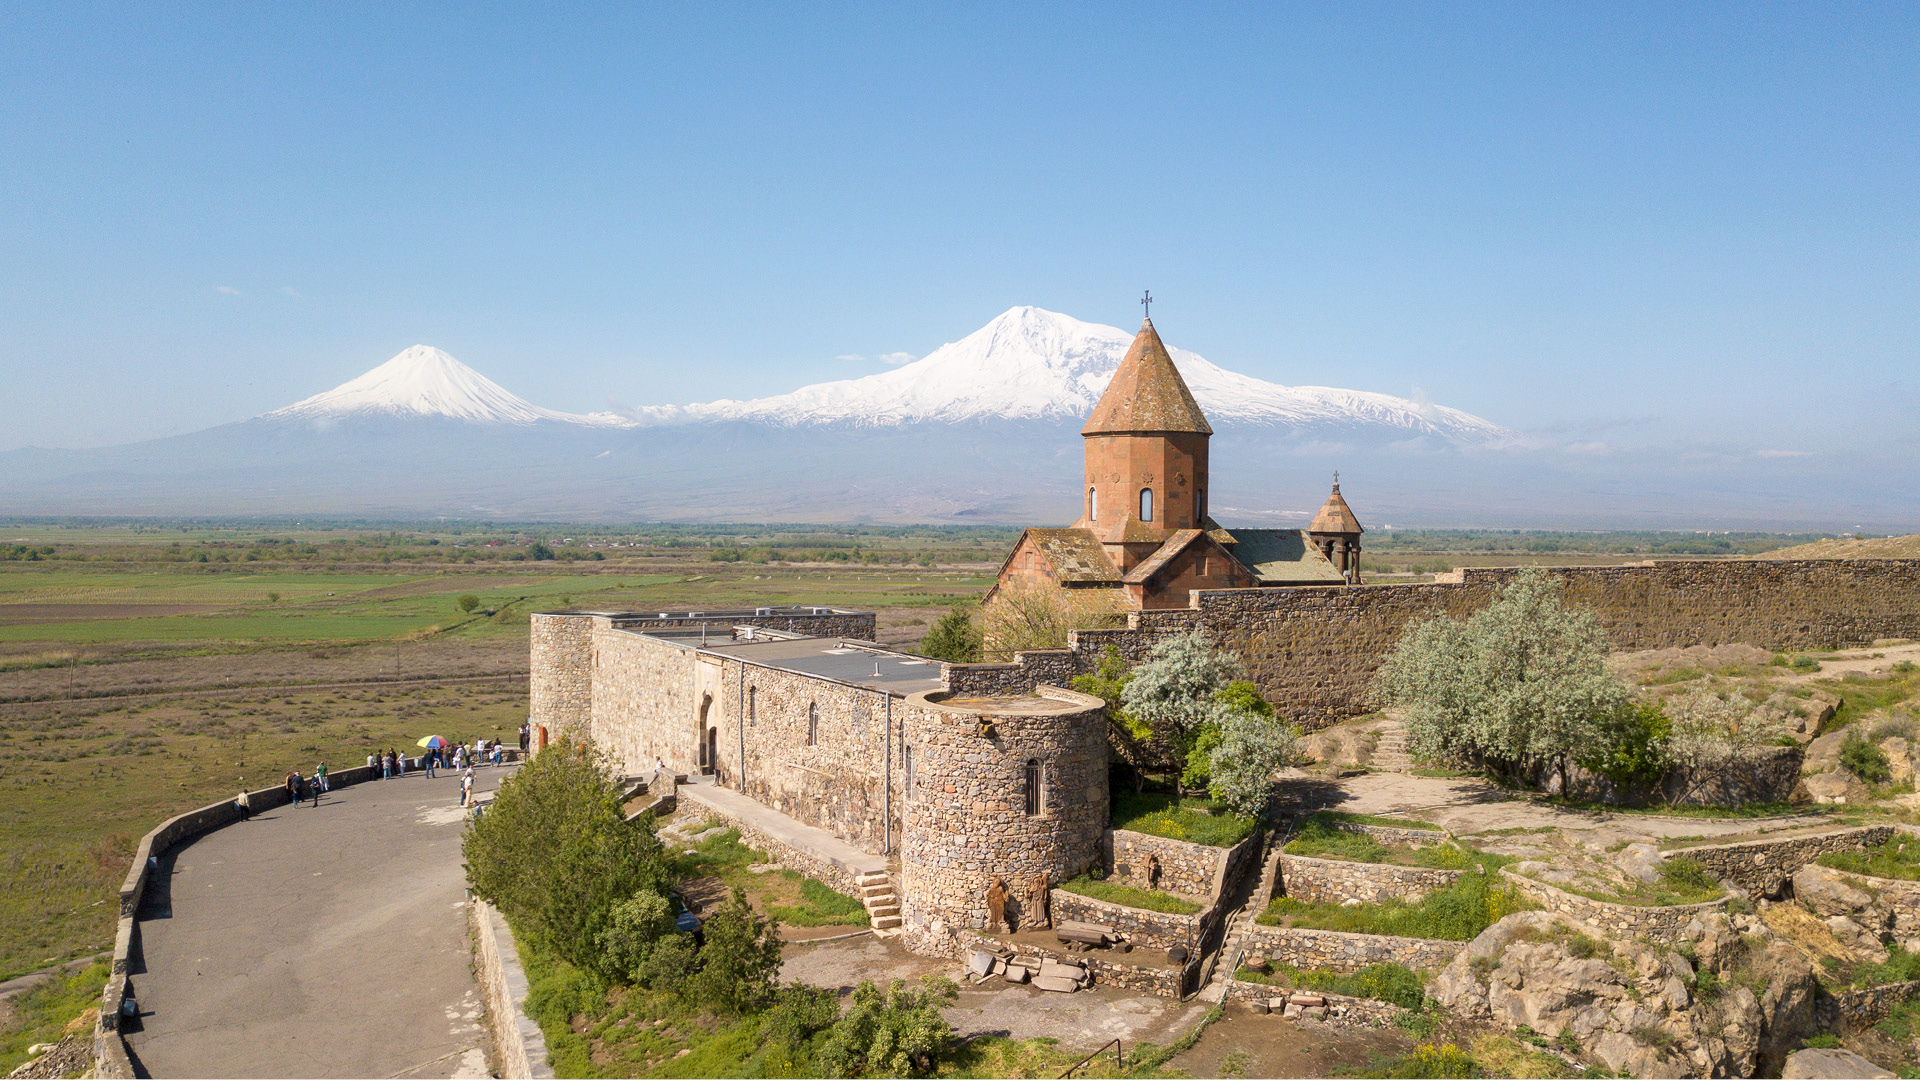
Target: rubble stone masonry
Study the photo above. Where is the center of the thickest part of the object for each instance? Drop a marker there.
(1336, 881)
(1313, 649)
(966, 817)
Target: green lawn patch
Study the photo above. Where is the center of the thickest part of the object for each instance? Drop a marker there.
(793, 898)
(1193, 820)
(1319, 838)
(820, 906)
(1748, 810)
(1456, 913)
(1131, 897)
(1888, 860)
(1682, 881)
(1393, 983)
(40, 1013)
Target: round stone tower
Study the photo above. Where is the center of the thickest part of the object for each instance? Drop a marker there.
(1006, 788)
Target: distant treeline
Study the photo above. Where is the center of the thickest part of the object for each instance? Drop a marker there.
(1537, 542)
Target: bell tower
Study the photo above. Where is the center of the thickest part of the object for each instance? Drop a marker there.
(1336, 532)
(1146, 455)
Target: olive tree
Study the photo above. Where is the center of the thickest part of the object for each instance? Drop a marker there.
(1173, 693)
(1520, 685)
(1251, 744)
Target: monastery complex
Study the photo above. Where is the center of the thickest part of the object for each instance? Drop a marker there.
(957, 791)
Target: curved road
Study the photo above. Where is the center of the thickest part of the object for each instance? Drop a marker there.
(315, 942)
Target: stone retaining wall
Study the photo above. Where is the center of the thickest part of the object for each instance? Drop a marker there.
(1388, 834)
(1336, 881)
(1851, 1010)
(1187, 869)
(831, 874)
(1763, 867)
(1658, 924)
(1367, 1009)
(1339, 951)
(520, 1047)
(1142, 927)
(109, 1049)
(1316, 647)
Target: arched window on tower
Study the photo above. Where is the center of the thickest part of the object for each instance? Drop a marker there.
(1034, 805)
(1093, 504)
(1146, 504)
(813, 724)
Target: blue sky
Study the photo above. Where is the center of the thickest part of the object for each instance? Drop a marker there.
(1656, 224)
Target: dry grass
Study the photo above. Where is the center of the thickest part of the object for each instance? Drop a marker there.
(1888, 547)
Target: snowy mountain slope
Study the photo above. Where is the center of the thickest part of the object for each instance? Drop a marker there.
(1033, 364)
(423, 381)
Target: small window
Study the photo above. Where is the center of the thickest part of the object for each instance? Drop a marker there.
(813, 724)
(1033, 788)
(1146, 504)
(1093, 504)
(1199, 506)
(907, 751)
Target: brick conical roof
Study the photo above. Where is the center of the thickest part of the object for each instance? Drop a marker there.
(1336, 516)
(1147, 393)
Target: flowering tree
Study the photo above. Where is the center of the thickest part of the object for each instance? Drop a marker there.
(1716, 739)
(1173, 694)
(1519, 685)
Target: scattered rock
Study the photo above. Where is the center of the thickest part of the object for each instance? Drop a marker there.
(1834, 787)
(1822, 1064)
(1823, 753)
(1640, 861)
(1860, 941)
(1899, 759)
(1826, 891)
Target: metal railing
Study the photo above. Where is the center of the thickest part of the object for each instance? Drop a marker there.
(1119, 1060)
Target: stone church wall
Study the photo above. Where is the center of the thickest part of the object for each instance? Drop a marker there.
(559, 682)
(838, 781)
(1314, 649)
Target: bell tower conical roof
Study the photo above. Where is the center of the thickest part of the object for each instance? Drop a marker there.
(1147, 393)
(1335, 516)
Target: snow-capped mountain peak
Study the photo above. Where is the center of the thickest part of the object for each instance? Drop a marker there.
(424, 381)
(1033, 364)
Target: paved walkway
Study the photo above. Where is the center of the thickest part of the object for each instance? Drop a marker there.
(817, 842)
(316, 942)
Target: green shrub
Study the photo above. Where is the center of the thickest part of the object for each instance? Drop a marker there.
(1391, 983)
(738, 962)
(955, 638)
(467, 602)
(897, 1033)
(799, 1013)
(1131, 897)
(555, 853)
(1826, 1040)
(1865, 760)
(635, 925)
(1805, 663)
(1905, 667)
(1432, 1062)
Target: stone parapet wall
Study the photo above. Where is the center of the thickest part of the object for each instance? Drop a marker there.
(1388, 834)
(110, 1049)
(965, 821)
(1763, 867)
(1142, 928)
(858, 625)
(1337, 951)
(1665, 925)
(1336, 881)
(1042, 667)
(1315, 648)
(519, 1046)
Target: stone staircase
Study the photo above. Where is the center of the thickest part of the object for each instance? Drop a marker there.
(1252, 904)
(1390, 752)
(877, 896)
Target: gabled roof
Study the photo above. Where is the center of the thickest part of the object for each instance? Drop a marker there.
(1175, 544)
(1335, 516)
(1147, 393)
(1075, 556)
(1284, 557)
(1129, 530)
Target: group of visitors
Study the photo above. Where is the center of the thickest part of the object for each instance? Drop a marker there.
(298, 788)
(390, 764)
(386, 765)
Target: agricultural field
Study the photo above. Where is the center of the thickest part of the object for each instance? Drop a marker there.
(139, 679)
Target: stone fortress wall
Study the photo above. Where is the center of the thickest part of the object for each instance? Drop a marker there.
(1314, 649)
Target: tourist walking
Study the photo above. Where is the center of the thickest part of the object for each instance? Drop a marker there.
(427, 761)
(373, 765)
(243, 803)
(499, 755)
(314, 789)
(320, 776)
(526, 738)
(466, 787)
(399, 764)
(293, 788)
(386, 765)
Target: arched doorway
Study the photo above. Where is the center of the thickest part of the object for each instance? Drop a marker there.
(706, 739)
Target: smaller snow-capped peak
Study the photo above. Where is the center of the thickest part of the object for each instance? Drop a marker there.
(424, 381)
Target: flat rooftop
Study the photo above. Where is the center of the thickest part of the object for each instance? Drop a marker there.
(829, 658)
(717, 614)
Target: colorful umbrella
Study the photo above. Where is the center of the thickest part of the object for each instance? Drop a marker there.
(434, 742)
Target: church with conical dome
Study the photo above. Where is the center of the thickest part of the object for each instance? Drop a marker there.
(1144, 538)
